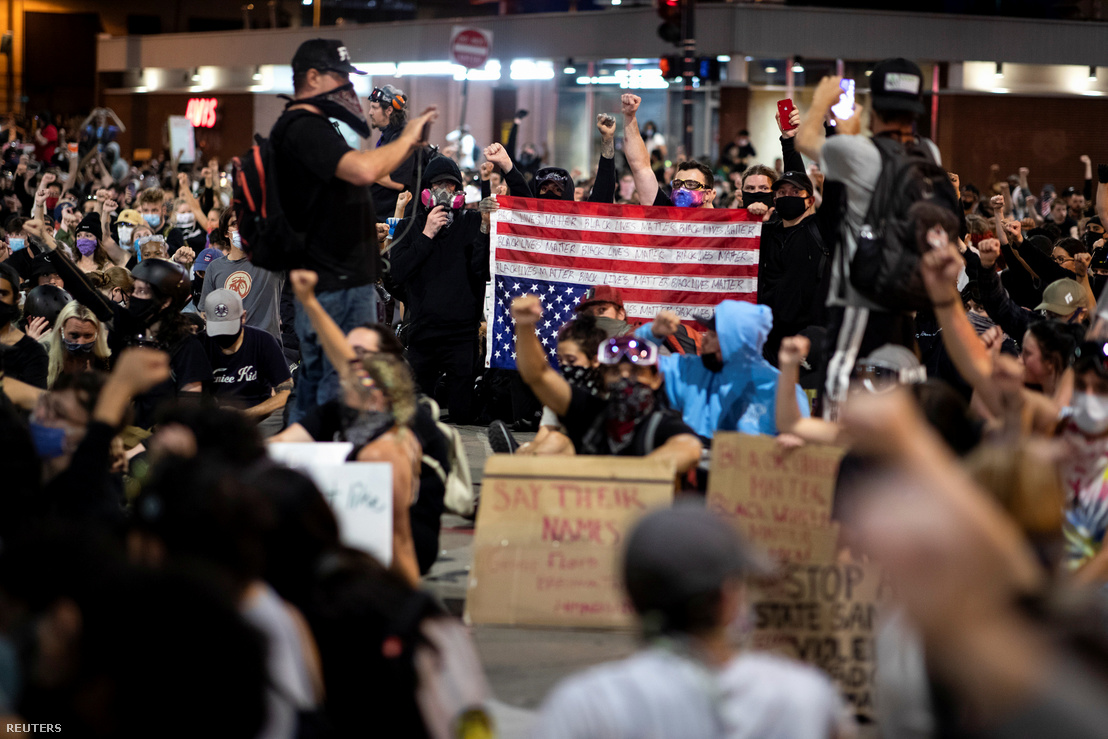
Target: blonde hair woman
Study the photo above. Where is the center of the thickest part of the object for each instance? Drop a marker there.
(79, 343)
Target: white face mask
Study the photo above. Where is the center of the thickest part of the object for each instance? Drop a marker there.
(1090, 413)
(185, 220)
(125, 235)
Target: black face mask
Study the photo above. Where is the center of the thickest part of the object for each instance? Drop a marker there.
(226, 342)
(711, 362)
(362, 427)
(341, 104)
(143, 309)
(750, 198)
(197, 289)
(588, 378)
(8, 313)
(790, 207)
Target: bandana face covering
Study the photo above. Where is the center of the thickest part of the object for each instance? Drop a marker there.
(629, 402)
(362, 427)
(342, 104)
(587, 378)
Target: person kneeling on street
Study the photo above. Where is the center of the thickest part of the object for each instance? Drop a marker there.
(631, 418)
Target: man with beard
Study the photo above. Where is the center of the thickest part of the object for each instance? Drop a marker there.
(323, 185)
(730, 386)
(248, 369)
(630, 418)
(388, 112)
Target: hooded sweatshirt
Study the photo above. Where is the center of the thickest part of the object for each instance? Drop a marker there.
(742, 395)
(442, 280)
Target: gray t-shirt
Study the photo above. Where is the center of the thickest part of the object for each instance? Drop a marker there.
(259, 289)
(855, 162)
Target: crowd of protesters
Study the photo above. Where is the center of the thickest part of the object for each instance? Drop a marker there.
(156, 565)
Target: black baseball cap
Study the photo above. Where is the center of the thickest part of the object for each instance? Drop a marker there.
(799, 179)
(326, 55)
(896, 85)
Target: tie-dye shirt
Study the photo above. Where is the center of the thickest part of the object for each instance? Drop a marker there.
(1085, 483)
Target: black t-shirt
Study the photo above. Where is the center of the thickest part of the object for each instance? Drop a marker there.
(26, 361)
(585, 408)
(336, 216)
(247, 377)
(661, 199)
(188, 363)
(384, 198)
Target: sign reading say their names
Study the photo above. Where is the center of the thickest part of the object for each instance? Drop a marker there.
(779, 500)
(550, 534)
(360, 493)
(825, 615)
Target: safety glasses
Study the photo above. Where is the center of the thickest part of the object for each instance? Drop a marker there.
(688, 185)
(879, 378)
(635, 351)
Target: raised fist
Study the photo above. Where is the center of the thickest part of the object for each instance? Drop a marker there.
(629, 104)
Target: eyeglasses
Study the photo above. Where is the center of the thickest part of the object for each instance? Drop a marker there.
(635, 351)
(1061, 258)
(688, 185)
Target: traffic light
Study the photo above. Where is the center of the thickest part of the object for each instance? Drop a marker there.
(670, 66)
(670, 13)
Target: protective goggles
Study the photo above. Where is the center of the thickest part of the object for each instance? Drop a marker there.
(620, 348)
(688, 185)
(881, 378)
(382, 97)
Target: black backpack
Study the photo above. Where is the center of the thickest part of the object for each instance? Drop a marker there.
(885, 267)
(269, 240)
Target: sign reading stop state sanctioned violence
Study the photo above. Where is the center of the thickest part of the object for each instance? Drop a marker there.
(550, 533)
(470, 47)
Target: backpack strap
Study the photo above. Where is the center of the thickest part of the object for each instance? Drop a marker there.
(652, 424)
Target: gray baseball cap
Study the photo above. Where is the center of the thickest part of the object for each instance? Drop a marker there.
(679, 553)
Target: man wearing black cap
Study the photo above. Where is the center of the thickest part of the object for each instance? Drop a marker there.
(792, 261)
(683, 572)
(439, 264)
(857, 324)
(324, 189)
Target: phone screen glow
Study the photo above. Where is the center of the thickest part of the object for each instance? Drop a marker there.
(844, 109)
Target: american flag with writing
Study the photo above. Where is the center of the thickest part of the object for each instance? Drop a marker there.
(686, 260)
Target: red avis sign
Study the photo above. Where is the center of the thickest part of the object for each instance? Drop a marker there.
(470, 47)
(202, 112)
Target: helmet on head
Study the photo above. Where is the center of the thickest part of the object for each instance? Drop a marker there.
(45, 301)
(167, 279)
(389, 96)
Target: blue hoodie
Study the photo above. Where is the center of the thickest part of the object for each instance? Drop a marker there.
(742, 395)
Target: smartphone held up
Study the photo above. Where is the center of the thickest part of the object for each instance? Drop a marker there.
(844, 109)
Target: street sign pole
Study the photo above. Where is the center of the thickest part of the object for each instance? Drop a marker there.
(688, 41)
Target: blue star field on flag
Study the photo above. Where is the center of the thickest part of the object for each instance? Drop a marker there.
(558, 301)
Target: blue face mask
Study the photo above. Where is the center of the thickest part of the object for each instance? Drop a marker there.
(49, 442)
(236, 240)
(153, 220)
(17, 243)
(77, 347)
(683, 198)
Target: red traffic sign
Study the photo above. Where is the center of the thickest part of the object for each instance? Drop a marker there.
(470, 47)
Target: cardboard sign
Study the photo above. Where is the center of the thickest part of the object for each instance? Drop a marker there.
(550, 533)
(780, 501)
(360, 493)
(825, 615)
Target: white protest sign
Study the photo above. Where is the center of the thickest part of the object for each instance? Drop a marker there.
(182, 138)
(360, 493)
